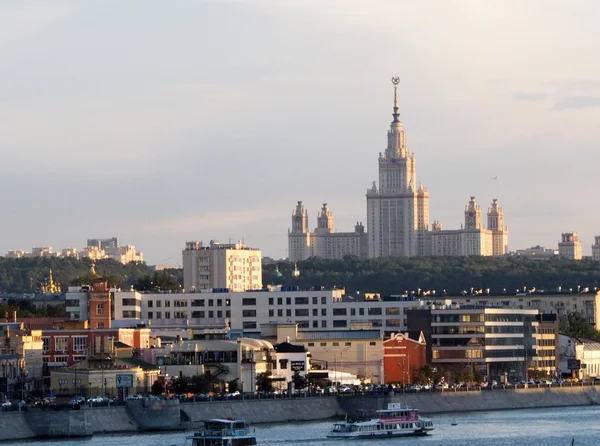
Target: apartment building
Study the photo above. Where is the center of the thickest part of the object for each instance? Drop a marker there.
(234, 267)
(570, 246)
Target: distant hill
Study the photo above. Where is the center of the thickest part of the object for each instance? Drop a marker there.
(392, 276)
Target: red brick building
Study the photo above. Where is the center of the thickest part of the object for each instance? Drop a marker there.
(99, 304)
(402, 356)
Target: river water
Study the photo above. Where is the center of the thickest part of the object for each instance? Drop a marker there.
(498, 428)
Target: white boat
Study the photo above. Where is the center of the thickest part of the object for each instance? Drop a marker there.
(229, 432)
(394, 421)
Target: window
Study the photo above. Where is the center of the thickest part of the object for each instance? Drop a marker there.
(323, 311)
(79, 343)
(374, 311)
(198, 314)
(393, 322)
(301, 300)
(247, 301)
(167, 315)
(315, 300)
(180, 315)
(323, 300)
(283, 363)
(336, 344)
(180, 303)
(302, 312)
(248, 313)
(288, 313)
(247, 325)
(323, 324)
(279, 313)
(352, 311)
(361, 311)
(288, 301)
(311, 344)
(315, 312)
(340, 323)
(100, 310)
(158, 303)
(315, 324)
(219, 314)
(46, 341)
(159, 315)
(61, 343)
(302, 324)
(219, 302)
(271, 313)
(129, 302)
(339, 312)
(61, 358)
(323, 344)
(227, 302)
(150, 303)
(211, 314)
(392, 311)
(348, 344)
(167, 303)
(227, 313)
(270, 301)
(211, 303)
(150, 315)
(280, 301)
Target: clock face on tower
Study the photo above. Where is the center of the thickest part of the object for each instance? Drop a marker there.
(471, 214)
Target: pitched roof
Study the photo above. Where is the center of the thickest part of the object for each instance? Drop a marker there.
(286, 347)
(139, 363)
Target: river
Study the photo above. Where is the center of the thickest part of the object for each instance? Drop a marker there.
(495, 428)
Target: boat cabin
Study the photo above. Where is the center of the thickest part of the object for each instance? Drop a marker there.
(229, 432)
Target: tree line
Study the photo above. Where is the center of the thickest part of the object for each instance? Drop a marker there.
(395, 276)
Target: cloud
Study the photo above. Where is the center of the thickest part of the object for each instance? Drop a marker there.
(577, 102)
(529, 96)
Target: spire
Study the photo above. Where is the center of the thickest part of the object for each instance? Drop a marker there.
(396, 115)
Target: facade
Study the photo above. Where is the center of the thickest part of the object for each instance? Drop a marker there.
(473, 239)
(235, 267)
(324, 242)
(291, 358)
(99, 305)
(579, 357)
(124, 254)
(596, 248)
(347, 355)
(402, 356)
(490, 343)
(103, 243)
(536, 252)
(570, 247)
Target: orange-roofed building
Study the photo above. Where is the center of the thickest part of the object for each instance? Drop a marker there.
(403, 354)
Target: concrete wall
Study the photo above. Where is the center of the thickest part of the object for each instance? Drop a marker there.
(166, 415)
(266, 411)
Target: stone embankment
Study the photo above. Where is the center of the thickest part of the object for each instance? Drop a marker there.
(166, 415)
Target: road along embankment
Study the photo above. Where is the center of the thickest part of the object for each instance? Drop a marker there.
(167, 415)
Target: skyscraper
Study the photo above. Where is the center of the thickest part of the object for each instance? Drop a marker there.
(397, 211)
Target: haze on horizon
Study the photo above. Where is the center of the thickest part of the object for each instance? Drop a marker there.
(161, 122)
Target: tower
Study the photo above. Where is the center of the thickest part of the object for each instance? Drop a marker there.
(596, 248)
(495, 218)
(324, 221)
(397, 211)
(299, 237)
(570, 246)
(472, 215)
(99, 302)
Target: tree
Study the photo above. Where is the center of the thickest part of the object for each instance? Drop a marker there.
(180, 385)
(427, 375)
(299, 380)
(574, 324)
(157, 388)
(264, 383)
(233, 385)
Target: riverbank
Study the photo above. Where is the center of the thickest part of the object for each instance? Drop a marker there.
(166, 415)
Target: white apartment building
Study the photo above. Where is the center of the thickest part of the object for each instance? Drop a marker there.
(324, 242)
(235, 267)
(570, 246)
(124, 254)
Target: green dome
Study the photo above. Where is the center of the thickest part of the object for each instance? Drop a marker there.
(276, 273)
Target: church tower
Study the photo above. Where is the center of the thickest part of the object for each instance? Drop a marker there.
(397, 211)
(472, 215)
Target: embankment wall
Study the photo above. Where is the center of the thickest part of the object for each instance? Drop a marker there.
(175, 415)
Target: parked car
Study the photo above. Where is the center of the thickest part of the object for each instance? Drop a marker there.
(77, 400)
(96, 400)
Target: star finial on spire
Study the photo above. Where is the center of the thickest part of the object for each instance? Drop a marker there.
(395, 82)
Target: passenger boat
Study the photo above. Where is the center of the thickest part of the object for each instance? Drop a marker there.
(394, 421)
(229, 432)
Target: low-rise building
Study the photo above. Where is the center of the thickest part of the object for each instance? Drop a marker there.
(579, 357)
(403, 355)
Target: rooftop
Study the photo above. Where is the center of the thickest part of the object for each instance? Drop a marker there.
(338, 334)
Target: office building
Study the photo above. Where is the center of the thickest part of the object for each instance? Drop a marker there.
(234, 267)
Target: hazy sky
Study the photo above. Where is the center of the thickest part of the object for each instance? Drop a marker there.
(166, 121)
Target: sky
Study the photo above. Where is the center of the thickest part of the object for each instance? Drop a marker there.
(161, 122)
